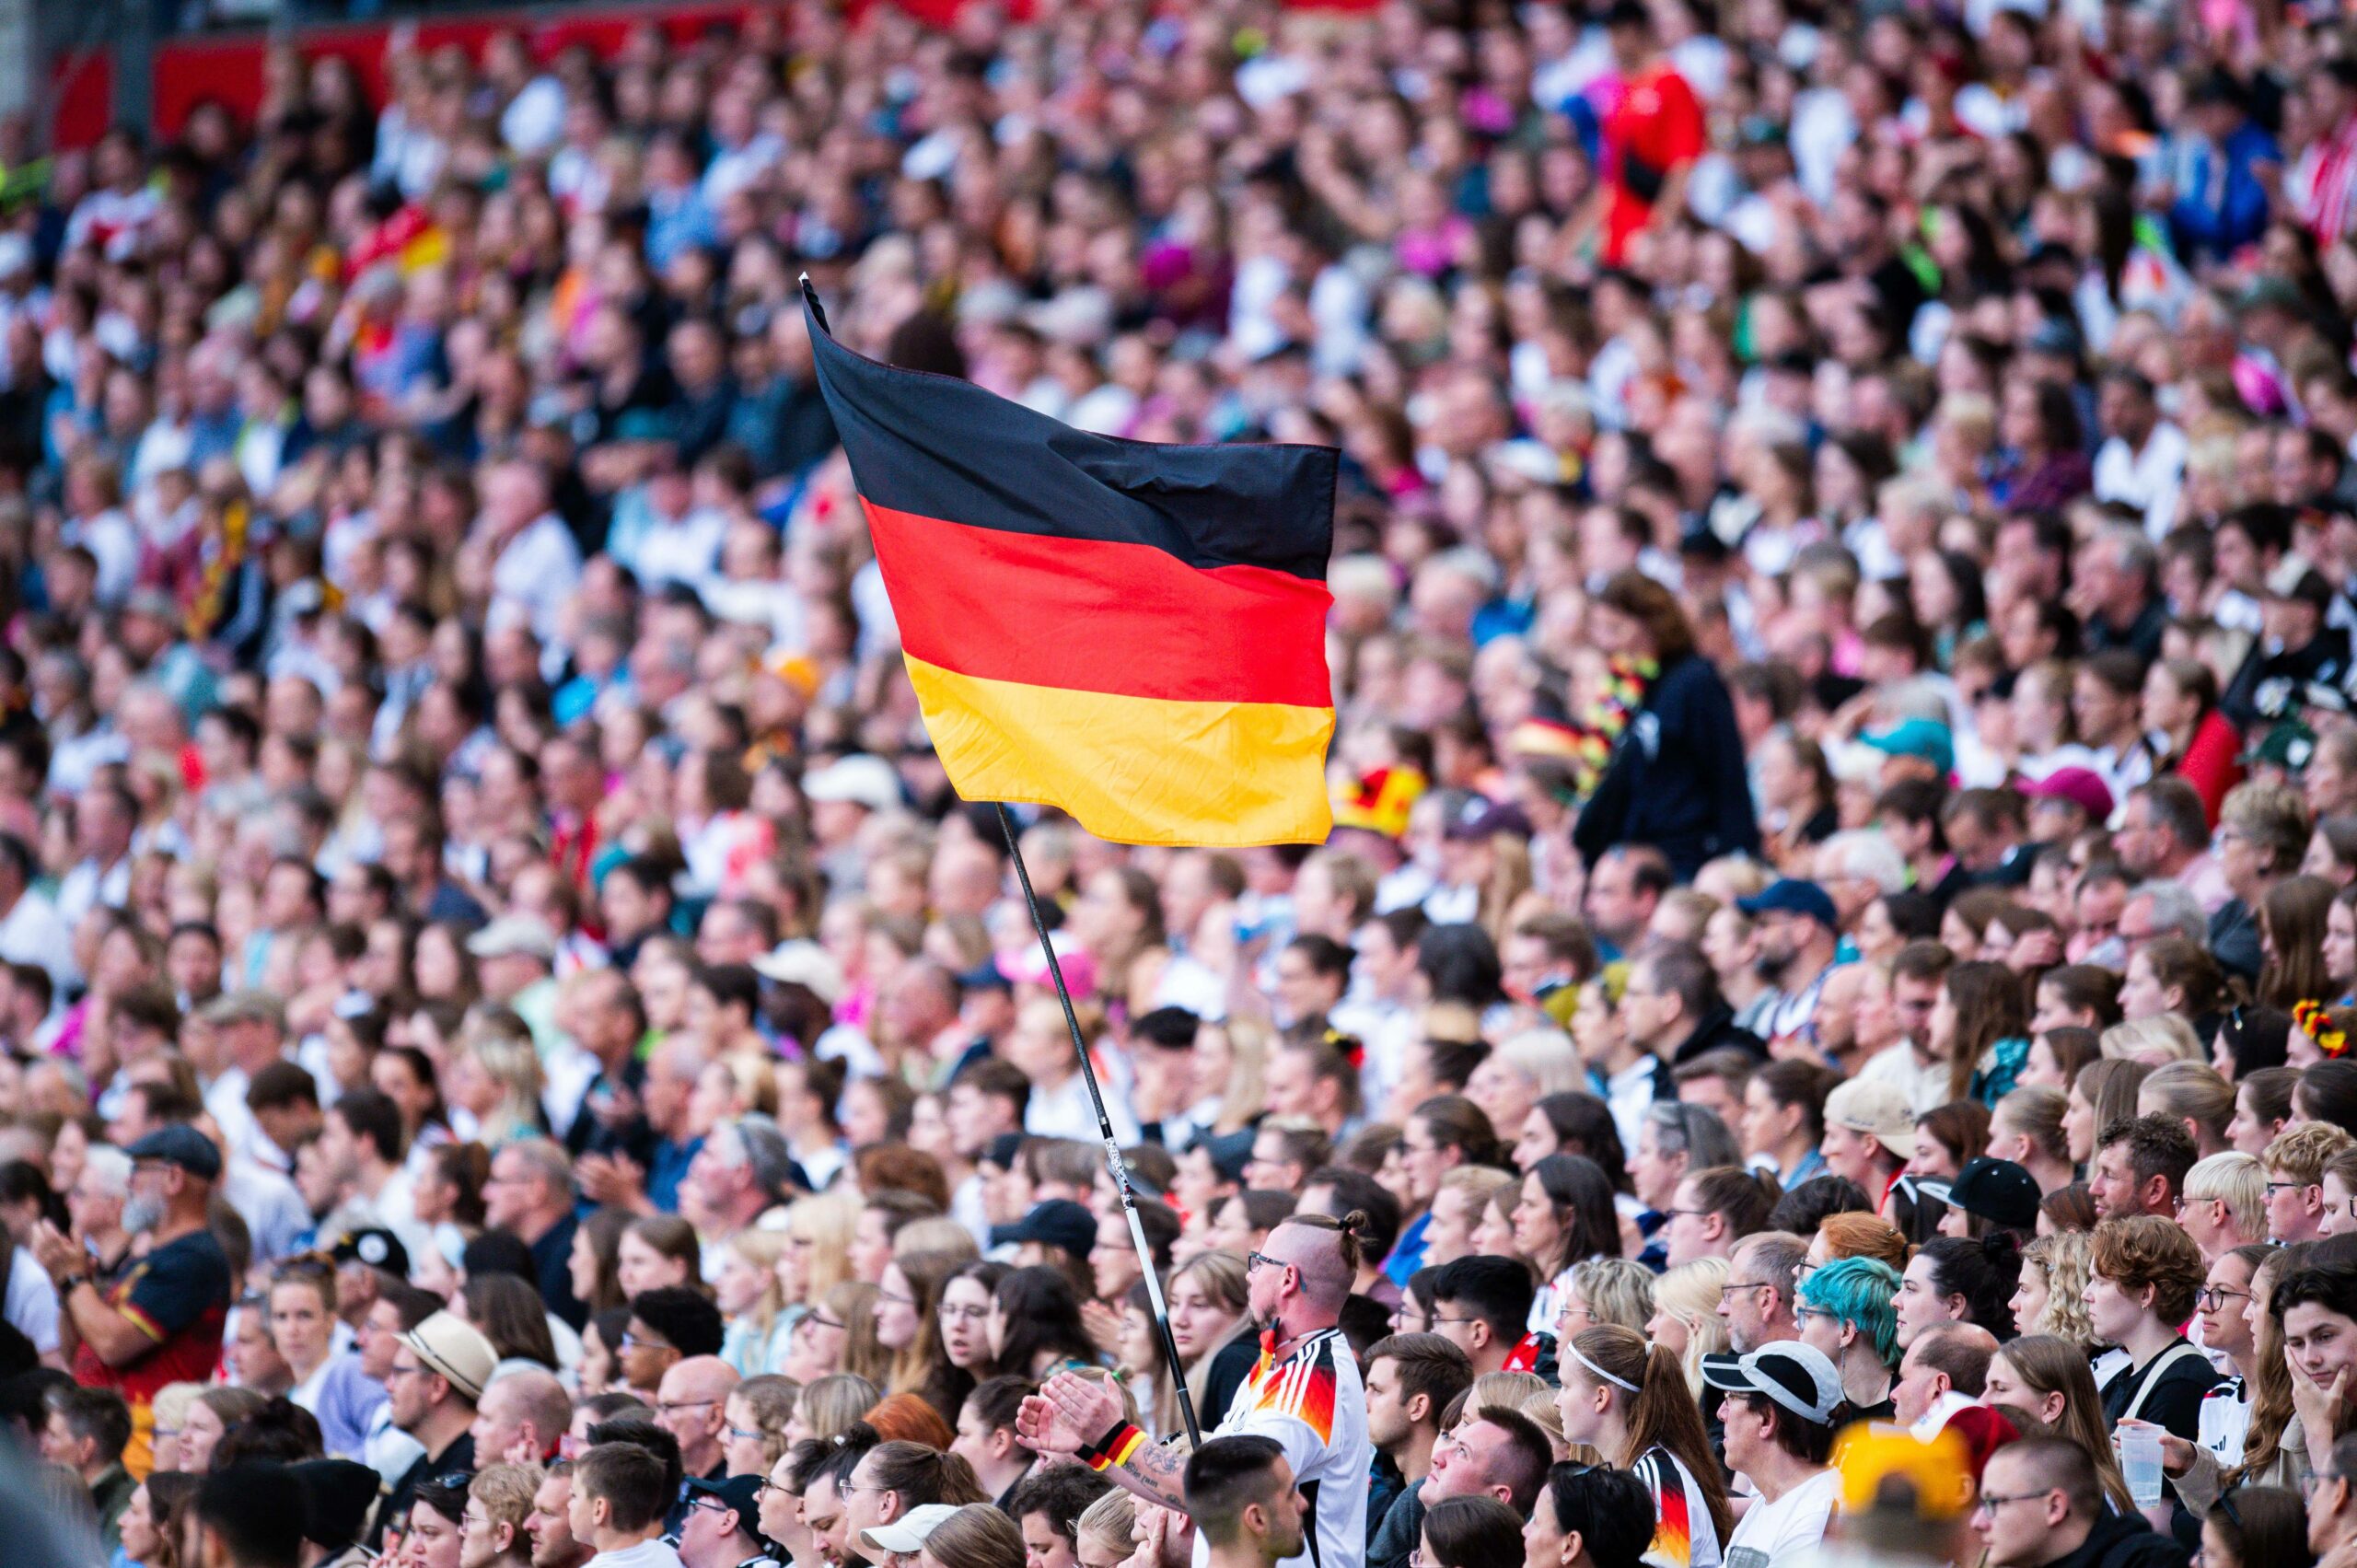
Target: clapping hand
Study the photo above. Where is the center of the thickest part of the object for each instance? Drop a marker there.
(56, 1252)
(1067, 1414)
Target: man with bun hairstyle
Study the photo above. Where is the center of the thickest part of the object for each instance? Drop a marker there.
(1304, 1393)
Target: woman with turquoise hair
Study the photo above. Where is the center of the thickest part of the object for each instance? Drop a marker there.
(1844, 1310)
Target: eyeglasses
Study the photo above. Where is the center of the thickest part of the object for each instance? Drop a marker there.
(2274, 1187)
(1733, 1285)
(896, 1300)
(666, 1409)
(631, 1342)
(741, 1435)
(1697, 1214)
(1254, 1260)
(820, 1320)
(1803, 1314)
(1992, 1501)
(1438, 1320)
(2212, 1297)
(970, 1313)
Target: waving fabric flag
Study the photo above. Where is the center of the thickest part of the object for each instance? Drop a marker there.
(1133, 633)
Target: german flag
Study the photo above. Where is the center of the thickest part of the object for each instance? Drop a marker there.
(1133, 633)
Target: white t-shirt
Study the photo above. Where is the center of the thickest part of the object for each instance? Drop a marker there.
(1794, 1521)
(31, 1306)
(1313, 1404)
(646, 1555)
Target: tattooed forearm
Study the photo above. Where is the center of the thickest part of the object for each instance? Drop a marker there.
(1158, 1472)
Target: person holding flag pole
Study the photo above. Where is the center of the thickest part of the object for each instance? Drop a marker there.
(1134, 633)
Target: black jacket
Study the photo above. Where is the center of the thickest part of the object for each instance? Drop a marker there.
(1677, 778)
(2234, 940)
(457, 1460)
(2121, 1540)
(1401, 1532)
(551, 1260)
(2264, 686)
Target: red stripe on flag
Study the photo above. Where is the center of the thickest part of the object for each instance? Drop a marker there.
(1088, 615)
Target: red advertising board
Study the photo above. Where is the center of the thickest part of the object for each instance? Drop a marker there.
(229, 67)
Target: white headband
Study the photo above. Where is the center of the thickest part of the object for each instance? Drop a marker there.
(1609, 1378)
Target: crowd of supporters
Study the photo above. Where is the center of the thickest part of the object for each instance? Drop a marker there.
(1821, 1032)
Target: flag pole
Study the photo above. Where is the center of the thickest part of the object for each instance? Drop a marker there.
(1104, 1129)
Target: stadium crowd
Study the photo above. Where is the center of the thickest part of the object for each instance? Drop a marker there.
(1821, 1033)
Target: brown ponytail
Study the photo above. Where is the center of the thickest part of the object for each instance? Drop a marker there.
(1662, 1414)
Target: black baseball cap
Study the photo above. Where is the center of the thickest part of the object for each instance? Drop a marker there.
(742, 1493)
(375, 1246)
(1998, 1191)
(1230, 1152)
(1059, 1222)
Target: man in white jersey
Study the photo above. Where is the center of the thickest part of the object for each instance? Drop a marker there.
(1304, 1393)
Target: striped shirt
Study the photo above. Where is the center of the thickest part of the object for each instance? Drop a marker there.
(1684, 1536)
(1313, 1404)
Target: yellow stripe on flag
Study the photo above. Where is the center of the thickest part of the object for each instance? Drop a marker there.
(1135, 770)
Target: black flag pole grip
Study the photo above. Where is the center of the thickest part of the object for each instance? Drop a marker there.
(1104, 1124)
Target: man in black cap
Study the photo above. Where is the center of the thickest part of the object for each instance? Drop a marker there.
(160, 1321)
(1798, 932)
(720, 1530)
(337, 1495)
(1057, 1225)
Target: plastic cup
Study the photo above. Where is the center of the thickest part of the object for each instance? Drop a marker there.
(2140, 1462)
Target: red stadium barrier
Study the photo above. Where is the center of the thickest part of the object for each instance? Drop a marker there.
(229, 68)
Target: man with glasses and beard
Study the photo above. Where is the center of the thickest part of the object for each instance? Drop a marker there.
(160, 1321)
